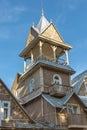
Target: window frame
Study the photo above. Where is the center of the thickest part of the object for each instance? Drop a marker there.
(7, 108)
(55, 81)
(73, 106)
(4, 108)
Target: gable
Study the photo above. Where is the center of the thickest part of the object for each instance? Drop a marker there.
(16, 110)
(30, 38)
(15, 83)
(33, 34)
(82, 90)
(52, 33)
(75, 100)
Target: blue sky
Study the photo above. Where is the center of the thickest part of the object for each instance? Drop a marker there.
(16, 17)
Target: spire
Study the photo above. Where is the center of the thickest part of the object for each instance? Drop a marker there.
(42, 12)
(43, 23)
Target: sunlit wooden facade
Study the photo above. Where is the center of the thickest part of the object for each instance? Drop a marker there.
(44, 89)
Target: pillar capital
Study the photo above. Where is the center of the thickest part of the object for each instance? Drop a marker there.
(40, 43)
(54, 48)
(54, 52)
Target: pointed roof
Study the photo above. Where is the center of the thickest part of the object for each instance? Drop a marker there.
(43, 23)
(60, 102)
(57, 102)
(78, 80)
(13, 97)
(54, 101)
(84, 99)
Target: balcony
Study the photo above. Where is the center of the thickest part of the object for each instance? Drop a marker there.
(74, 121)
(59, 90)
(47, 59)
(77, 121)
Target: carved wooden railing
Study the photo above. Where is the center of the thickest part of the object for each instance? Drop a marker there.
(72, 121)
(77, 119)
(47, 58)
(60, 89)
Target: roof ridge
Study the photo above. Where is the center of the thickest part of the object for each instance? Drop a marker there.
(31, 120)
(79, 76)
(43, 23)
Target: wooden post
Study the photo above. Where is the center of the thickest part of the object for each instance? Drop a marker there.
(54, 52)
(32, 57)
(67, 58)
(40, 45)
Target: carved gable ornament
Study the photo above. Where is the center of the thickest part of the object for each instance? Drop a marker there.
(52, 33)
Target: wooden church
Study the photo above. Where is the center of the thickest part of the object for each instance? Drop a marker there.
(45, 91)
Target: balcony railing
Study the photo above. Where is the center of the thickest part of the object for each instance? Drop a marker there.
(77, 121)
(47, 58)
(51, 59)
(71, 121)
(65, 121)
(59, 90)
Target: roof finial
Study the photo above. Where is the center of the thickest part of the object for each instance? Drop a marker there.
(50, 20)
(33, 24)
(42, 12)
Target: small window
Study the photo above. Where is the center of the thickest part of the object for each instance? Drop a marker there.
(57, 79)
(4, 110)
(73, 109)
(31, 85)
(6, 106)
(62, 118)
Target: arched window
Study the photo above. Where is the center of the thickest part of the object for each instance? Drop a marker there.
(31, 85)
(57, 79)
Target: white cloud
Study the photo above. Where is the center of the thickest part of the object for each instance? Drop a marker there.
(19, 9)
(10, 13)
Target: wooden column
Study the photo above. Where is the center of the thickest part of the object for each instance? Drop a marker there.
(67, 58)
(54, 52)
(40, 48)
(32, 57)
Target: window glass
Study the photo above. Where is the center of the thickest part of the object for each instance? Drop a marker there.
(31, 85)
(4, 110)
(6, 107)
(5, 113)
(57, 79)
(73, 109)
(5, 104)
